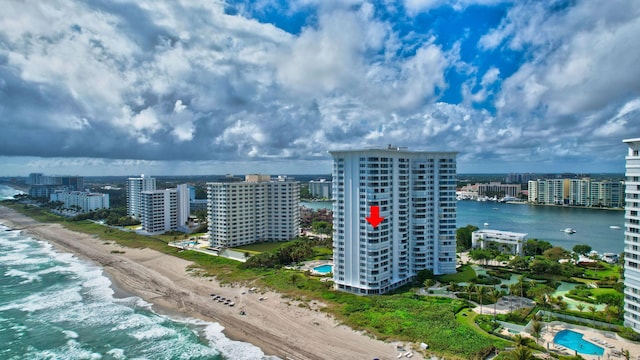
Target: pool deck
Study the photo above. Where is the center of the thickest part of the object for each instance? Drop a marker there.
(609, 341)
(310, 265)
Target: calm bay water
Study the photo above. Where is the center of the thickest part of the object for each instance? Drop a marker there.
(541, 222)
(56, 306)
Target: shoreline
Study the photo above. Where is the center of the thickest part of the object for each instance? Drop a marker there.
(278, 326)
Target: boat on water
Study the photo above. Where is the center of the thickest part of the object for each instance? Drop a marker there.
(614, 227)
(486, 224)
(569, 230)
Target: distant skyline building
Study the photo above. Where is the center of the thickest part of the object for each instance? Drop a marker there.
(320, 188)
(632, 236)
(577, 192)
(520, 178)
(135, 186)
(44, 186)
(415, 192)
(159, 210)
(255, 210)
(494, 187)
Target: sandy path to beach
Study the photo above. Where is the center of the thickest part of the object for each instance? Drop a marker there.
(278, 326)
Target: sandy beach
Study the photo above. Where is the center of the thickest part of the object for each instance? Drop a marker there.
(275, 324)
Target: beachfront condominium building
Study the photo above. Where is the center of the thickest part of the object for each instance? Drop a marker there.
(632, 237)
(183, 209)
(415, 192)
(159, 210)
(255, 210)
(135, 186)
(83, 201)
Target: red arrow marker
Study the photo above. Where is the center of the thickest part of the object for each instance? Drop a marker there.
(375, 218)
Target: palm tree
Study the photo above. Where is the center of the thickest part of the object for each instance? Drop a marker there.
(580, 307)
(519, 340)
(514, 289)
(593, 312)
(481, 291)
(626, 354)
(495, 295)
(520, 353)
(469, 289)
(536, 330)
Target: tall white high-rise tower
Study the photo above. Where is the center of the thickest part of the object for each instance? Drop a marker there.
(632, 236)
(415, 193)
(134, 187)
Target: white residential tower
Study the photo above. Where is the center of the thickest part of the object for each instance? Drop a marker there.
(135, 186)
(415, 193)
(632, 237)
(255, 210)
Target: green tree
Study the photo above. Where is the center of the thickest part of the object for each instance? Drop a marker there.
(322, 227)
(539, 266)
(469, 289)
(626, 354)
(519, 263)
(582, 249)
(495, 296)
(304, 192)
(481, 291)
(481, 255)
(423, 275)
(463, 237)
(592, 309)
(535, 247)
(580, 307)
(201, 215)
(536, 330)
(556, 253)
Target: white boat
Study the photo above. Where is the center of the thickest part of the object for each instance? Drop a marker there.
(569, 230)
(614, 227)
(486, 224)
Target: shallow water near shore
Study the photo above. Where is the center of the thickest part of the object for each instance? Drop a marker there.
(55, 305)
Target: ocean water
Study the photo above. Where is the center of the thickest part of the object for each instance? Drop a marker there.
(7, 192)
(541, 222)
(56, 306)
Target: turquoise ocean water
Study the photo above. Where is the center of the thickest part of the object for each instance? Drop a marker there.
(56, 306)
(541, 222)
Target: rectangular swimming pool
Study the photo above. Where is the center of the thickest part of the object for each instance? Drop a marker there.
(574, 341)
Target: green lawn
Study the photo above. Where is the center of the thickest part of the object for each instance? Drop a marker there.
(608, 271)
(260, 247)
(464, 274)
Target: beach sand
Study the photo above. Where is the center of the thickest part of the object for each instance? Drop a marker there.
(275, 324)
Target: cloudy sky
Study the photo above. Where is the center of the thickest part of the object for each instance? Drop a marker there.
(213, 87)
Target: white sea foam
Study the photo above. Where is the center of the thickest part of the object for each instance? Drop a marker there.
(41, 301)
(233, 349)
(79, 299)
(29, 277)
(154, 332)
(117, 354)
(70, 334)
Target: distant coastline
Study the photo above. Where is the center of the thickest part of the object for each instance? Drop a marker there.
(16, 186)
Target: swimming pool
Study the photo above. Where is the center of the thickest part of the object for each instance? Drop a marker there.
(323, 269)
(574, 341)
